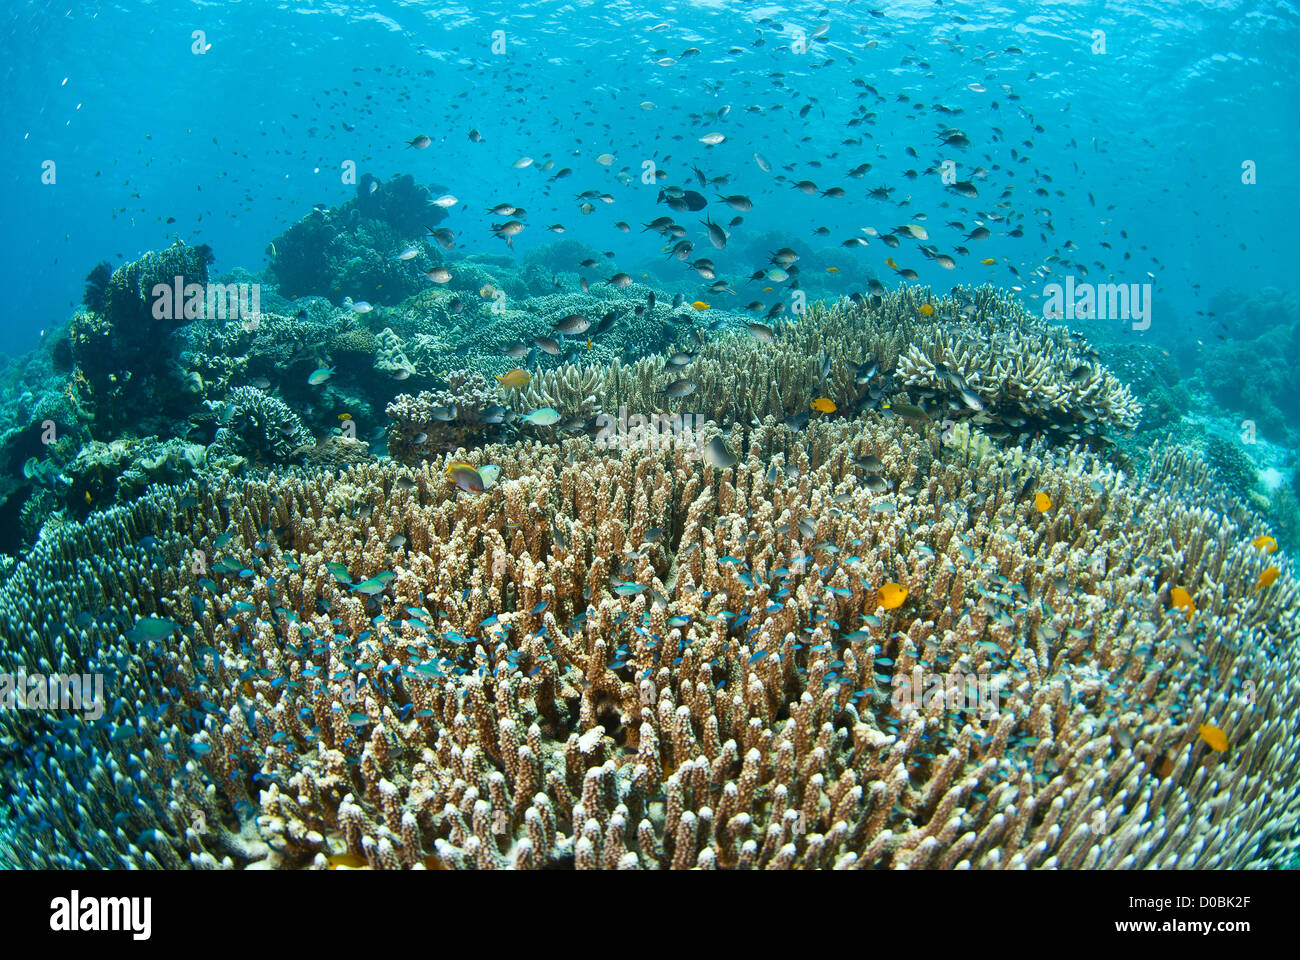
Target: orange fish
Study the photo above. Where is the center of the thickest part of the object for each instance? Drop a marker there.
(1266, 579)
(1264, 542)
(1042, 502)
(1216, 738)
(1180, 598)
(824, 405)
(767, 289)
(926, 310)
(832, 269)
(891, 595)
(889, 262)
(700, 305)
(518, 377)
(988, 261)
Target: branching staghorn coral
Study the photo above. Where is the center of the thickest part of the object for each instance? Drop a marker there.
(636, 660)
(1024, 369)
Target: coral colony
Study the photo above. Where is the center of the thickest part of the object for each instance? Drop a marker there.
(652, 529)
(551, 641)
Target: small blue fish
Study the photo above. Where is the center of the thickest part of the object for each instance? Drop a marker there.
(543, 417)
(151, 629)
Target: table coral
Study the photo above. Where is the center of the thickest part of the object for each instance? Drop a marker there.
(632, 659)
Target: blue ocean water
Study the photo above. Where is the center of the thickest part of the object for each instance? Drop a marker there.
(1126, 161)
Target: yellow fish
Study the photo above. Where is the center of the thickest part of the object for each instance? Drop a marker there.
(1265, 543)
(767, 290)
(1216, 738)
(988, 261)
(889, 262)
(1266, 579)
(891, 595)
(700, 305)
(1180, 598)
(589, 343)
(824, 405)
(346, 861)
(519, 377)
(832, 269)
(345, 416)
(88, 496)
(1042, 502)
(926, 310)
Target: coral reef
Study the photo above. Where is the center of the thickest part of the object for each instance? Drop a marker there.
(1150, 372)
(121, 377)
(222, 354)
(1027, 374)
(1284, 515)
(637, 660)
(256, 426)
(560, 257)
(117, 472)
(460, 413)
(352, 251)
(1231, 465)
(1252, 371)
(332, 453)
(390, 356)
(28, 467)
(623, 653)
(1018, 366)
